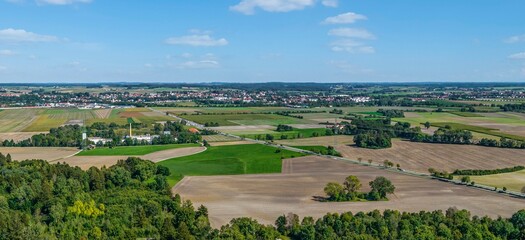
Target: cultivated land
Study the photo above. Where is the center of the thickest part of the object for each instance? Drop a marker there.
(422, 156)
(132, 150)
(85, 162)
(44, 153)
(219, 138)
(244, 119)
(514, 181)
(228, 160)
(327, 140)
(17, 136)
(268, 196)
(16, 120)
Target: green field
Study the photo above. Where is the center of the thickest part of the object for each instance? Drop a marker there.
(16, 120)
(513, 181)
(228, 160)
(132, 150)
(243, 119)
(467, 114)
(296, 133)
(478, 129)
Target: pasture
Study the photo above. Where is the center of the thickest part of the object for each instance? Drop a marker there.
(420, 157)
(265, 197)
(228, 160)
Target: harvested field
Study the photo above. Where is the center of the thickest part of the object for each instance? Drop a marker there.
(102, 113)
(85, 162)
(268, 196)
(17, 136)
(316, 141)
(218, 138)
(243, 128)
(307, 126)
(513, 181)
(16, 120)
(422, 156)
(47, 153)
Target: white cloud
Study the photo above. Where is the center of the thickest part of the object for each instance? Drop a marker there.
(199, 64)
(515, 39)
(62, 2)
(520, 55)
(330, 3)
(7, 52)
(351, 46)
(20, 35)
(197, 40)
(351, 33)
(248, 6)
(345, 18)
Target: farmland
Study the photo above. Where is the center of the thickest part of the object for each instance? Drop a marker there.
(303, 178)
(228, 160)
(422, 156)
(514, 181)
(132, 150)
(17, 120)
(44, 153)
(243, 119)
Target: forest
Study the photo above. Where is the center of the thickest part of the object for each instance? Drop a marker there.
(132, 200)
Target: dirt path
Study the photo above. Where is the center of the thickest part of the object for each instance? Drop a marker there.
(267, 196)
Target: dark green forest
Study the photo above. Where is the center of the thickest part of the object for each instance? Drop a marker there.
(132, 200)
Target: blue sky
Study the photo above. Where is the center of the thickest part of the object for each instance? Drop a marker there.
(261, 40)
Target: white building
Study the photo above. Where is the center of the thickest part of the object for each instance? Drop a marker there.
(98, 140)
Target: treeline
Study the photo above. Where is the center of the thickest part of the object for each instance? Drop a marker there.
(284, 128)
(378, 133)
(131, 200)
(289, 114)
(392, 113)
(71, 135)
(502, 143)
(513, 107)
(475, 172)
(445, 135)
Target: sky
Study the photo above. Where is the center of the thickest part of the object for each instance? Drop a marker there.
(189, 41)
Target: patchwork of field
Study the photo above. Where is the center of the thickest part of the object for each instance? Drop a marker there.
(228, 160)
(235, 110)
(514, 181)
(502, 124)
(85, 162)
(422, 156)
(44, 153)
(244, 119)
(265, 197)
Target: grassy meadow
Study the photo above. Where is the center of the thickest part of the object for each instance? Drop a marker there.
(132, 150)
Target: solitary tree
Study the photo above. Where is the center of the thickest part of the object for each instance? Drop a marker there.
(465, 179)
(382, 187)
(352, 184)
(427, 125)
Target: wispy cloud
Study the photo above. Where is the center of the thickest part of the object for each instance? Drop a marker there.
(515, 39)
(19, 35)
(330, 3)
(248, 6)
(197, 39)
(345, 18)
(352, 33)
(351, 46)
(520, 55)
(7, 52)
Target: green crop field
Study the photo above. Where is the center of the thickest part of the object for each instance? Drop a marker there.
(467, 114)
(296, 133)
(243, 119)
(228, 160)
(16, 120)
(513, 181)
(132, 150)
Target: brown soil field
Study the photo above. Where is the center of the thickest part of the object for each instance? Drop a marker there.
(307, 126)
(47, 153)
(85, 162)
(102, 113)
(219, 138)
(267, 196)
(422, 156)
(319, 141)
(17, 136)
